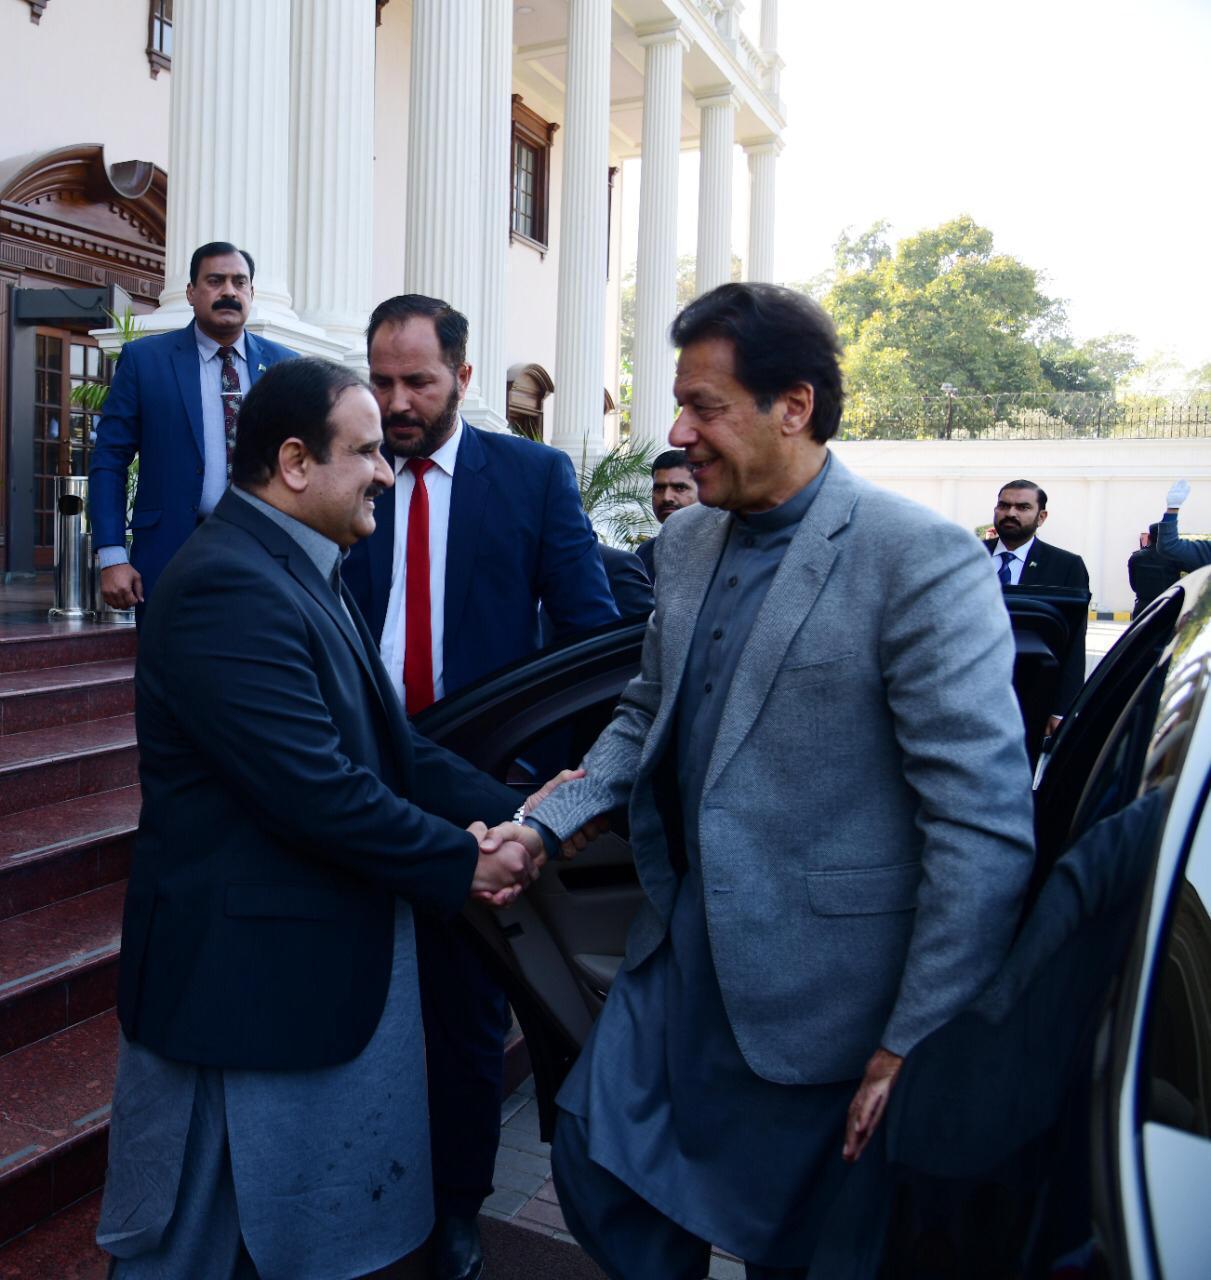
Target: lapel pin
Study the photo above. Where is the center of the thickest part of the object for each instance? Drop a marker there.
(260, 368)
(1034, 564)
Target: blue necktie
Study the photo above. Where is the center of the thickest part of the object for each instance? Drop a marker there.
(1003, 573)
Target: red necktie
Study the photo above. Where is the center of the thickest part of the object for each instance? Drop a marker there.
(229, 390)
(418, 624)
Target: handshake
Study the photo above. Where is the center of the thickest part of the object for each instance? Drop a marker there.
(511, 856)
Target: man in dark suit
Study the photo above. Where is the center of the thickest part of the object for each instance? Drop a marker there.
(1022, 559)
(1149, 572)
(673, 487)
(269, 1112)
(174, 402)
(481, 528)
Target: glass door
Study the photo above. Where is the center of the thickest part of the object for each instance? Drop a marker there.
(64, 431)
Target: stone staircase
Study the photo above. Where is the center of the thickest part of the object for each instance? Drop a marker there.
(69, 804)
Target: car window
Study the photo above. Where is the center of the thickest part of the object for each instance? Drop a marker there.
(1177, 1075)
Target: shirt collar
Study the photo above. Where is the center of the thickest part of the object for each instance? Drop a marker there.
(1022, 553)
(444, 457)
(321, 551)
(208, 347)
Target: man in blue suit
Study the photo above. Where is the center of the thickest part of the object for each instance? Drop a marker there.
(174, 402)
(481, 529)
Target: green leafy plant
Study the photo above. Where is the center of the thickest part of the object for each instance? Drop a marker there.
(616, 492)
(91, 396)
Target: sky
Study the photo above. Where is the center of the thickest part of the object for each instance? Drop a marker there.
(1076, 131)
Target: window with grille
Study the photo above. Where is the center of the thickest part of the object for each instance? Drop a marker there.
(532, 140)
(159, 36)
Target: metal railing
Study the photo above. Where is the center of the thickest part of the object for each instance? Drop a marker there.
(1058, 415)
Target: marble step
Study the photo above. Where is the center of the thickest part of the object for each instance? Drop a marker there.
(63, 850)
(59, 965)
(54, 1122)
(27, 646)
(63, 1247)
(45, 766)
(47, 696)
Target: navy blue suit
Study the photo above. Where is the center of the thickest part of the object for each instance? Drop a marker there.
(154, 409)
(517, 537)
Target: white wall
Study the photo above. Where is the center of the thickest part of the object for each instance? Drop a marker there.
(81, 76)
(1101, 494)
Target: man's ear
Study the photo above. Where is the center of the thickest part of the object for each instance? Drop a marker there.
(798, 402)
(294, 464)
(463, 378)
(1043, 516)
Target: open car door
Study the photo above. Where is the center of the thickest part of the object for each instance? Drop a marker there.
(557, 950)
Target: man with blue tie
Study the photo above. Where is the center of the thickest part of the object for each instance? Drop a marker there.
(174, 403)
(481, 528)
(1023, 559)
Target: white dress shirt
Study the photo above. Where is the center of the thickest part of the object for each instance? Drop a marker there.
(1021, 557)
(439, 480)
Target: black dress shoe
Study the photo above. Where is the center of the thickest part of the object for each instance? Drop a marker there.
(456, 1252)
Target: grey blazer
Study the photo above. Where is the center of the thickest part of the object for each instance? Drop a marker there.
(866, 823)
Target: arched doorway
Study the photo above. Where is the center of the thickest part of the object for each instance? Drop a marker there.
(79, 237)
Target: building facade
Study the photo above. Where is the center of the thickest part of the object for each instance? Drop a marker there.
(471, 149)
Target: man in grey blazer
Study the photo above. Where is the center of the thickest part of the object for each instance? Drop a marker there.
(831, 817)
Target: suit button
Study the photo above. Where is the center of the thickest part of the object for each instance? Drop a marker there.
(717, 634)
(708, 686)
(733, 580)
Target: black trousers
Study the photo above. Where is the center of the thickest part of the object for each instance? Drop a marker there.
(466, 1017)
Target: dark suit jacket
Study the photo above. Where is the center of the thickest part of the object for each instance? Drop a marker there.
(517, 536)
(154, 409)
(629, 583)
(286, 802)
(1050, 566)
(646, 551)
(1150, 574)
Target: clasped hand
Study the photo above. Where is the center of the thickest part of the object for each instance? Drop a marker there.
(510, 858)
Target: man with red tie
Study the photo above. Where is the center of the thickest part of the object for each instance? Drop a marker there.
(481, 528)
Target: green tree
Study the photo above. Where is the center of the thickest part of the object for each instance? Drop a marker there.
(942, 308)
(1097, 365)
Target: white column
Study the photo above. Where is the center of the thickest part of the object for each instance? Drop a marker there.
(229, 158)
(718, 130)
(769, 49)
(332, 128)
(656, 265)
(495, 175)
(762, 159)
(443, 246)
(579, 418)
(769, 26)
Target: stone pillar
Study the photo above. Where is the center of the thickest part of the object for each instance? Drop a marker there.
(718, 129)
(656, 265)
(229, 160)
(579, 418)
(769, 49)
(495, 178)
(769, 26)
(332, 128)
(762, 159)
(444, 219)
